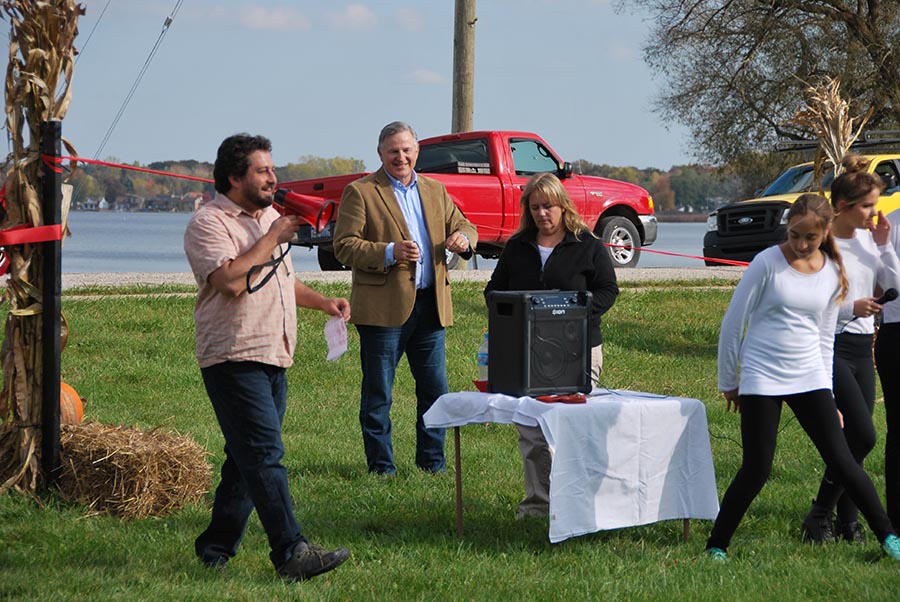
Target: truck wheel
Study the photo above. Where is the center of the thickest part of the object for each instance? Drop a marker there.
(328, 262)
(620, 232)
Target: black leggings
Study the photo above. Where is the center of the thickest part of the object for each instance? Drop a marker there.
(854, 394)
(815, 411)
(887, 356)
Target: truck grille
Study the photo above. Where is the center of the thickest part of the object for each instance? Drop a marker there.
(750, 219)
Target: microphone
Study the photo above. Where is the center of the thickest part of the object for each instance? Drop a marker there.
(888, 296)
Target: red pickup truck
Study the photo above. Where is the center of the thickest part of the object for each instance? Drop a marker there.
(485, 172)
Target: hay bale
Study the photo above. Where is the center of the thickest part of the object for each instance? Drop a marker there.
(128, 472)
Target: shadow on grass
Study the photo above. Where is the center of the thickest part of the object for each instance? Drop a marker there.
(666, 339)
(348, 472)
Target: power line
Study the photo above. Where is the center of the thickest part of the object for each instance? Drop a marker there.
(62, 84)
(93, 29)
(140, 76)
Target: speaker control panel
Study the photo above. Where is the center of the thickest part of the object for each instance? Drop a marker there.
(557, 300)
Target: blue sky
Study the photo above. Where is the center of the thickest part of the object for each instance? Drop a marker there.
(321, 78)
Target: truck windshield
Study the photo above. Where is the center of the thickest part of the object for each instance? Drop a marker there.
(796, 179)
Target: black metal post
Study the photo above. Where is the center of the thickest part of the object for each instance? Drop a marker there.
(51, 268)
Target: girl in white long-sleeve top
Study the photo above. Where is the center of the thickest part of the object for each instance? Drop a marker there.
(787, 300)
(871, 264)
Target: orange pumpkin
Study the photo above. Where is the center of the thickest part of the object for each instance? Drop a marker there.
(71, 410)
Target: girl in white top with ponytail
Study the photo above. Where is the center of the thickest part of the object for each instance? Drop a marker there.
(871, 265)
(787, 300)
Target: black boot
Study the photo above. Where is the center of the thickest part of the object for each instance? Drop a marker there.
(817, 525)
(851, 532)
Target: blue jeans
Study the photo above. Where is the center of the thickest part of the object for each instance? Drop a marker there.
(421, 338)
(249, 399)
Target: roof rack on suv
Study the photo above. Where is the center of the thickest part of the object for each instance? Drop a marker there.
(882, 140)
(795, 145)
(887, 136)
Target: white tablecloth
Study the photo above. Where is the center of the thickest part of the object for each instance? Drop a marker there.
(622, 459)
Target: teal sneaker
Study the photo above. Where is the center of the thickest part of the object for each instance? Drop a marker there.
(891, 546)
(719, 555)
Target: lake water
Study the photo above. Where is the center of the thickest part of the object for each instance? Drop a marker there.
(152, 242)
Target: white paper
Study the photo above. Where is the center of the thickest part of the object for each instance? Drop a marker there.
(336, 337)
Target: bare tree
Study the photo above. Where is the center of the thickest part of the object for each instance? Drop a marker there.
(735, 70)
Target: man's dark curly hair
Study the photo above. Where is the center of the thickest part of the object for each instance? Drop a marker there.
(233, 158)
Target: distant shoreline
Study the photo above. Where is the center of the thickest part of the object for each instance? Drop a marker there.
(662, 216)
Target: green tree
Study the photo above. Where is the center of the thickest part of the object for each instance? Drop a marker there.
(662, 193)
(174, 185)
(318, 167)
(695, 186)
(90, 187)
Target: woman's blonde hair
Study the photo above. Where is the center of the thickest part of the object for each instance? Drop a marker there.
(816, 204)
(856, 181)
(549, 185)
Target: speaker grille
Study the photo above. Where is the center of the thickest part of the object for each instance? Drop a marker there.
(556, 350)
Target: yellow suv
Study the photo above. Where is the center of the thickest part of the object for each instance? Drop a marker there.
(738, 231)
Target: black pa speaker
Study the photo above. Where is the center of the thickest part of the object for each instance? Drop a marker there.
(538, 342)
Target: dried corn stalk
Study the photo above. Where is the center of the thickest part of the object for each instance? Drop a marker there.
(827, 115)
(38, 78)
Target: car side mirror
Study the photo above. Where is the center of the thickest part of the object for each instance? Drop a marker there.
(565, 171)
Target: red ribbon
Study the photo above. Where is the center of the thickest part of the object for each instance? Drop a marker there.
(25, 234)
(54, 163)
(135, 168)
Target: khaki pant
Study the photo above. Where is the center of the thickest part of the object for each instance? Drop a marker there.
(536, 457)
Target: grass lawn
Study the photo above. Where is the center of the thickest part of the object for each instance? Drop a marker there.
(131, 357)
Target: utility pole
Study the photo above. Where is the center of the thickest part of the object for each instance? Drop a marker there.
(463, 66)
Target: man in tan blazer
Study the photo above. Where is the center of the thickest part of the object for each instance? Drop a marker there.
(393, 229)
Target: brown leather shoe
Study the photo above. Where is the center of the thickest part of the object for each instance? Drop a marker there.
(308, 560)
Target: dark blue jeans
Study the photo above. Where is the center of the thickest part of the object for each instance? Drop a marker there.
(421, 338)
(249, 399)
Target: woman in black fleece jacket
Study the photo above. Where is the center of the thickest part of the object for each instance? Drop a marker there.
(553, 249)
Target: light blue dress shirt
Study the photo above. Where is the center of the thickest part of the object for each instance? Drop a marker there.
(411, 205)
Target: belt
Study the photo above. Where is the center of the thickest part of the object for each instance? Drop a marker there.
(421, 292)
